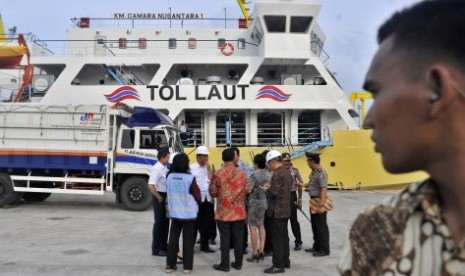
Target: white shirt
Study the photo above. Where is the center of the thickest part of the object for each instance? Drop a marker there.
(158, 177)
(201, 176)
(183, 128)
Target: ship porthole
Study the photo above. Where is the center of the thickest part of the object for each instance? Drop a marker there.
(332, 164)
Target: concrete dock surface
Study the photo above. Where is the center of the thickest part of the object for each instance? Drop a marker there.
(88, 235)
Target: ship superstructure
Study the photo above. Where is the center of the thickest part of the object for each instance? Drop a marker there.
(261, 85)
(262, 82)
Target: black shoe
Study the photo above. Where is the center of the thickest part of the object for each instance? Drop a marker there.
(236, 267)
(220, 268)
(170, 269)
(310, 250)
(298, 247)
(253, 258)
(160, 253)
(320, 254)
(268, 253)
(212, 242)
(207, 250)
(246, 251)
(287, 264)
(273, 270)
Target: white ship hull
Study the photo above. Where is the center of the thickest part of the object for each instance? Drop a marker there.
(262, 86)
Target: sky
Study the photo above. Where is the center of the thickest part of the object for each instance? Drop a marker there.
(350, 25)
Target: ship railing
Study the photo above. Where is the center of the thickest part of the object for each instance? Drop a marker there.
(313, 143)
(275, 139)
(134, 47)
(40, 48)
(158, 20)
(122, 74)
(195, 137)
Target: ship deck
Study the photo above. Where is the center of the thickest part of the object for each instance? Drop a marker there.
(89, 235)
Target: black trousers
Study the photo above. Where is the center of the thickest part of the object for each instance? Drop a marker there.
(236, 230)
(205, 223)
(246, 238)
(295, 225)
(280, 240)
(161, 225)
(268, 242)
(188, 240)
(320, 232)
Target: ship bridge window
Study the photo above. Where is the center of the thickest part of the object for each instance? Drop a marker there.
(122, 43)
(271, 128)
(221, 41)
(257, 31)
(300, 24)
(142, 43)
(192, 43)
(241, 43)
(275, 23)
(172, 43)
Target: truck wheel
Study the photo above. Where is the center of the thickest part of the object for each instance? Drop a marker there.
(35, 197)
(135, 194)
(7, 193)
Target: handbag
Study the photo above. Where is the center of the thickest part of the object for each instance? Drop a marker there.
(328, 206)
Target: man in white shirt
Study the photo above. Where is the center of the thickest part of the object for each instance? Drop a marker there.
(157, 186)
(206, 219)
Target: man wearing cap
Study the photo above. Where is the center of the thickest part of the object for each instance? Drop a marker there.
(279, 211)
(296, 200)
(318, 188)
(205, 222)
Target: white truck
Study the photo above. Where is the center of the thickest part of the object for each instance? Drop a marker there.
(83, 149)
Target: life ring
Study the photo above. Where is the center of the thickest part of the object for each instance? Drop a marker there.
(227, 49)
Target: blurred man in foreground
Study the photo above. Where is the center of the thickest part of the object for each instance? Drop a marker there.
(418, 81)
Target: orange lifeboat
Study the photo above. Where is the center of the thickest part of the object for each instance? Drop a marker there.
(12, 55)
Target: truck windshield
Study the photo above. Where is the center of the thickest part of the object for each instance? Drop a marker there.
(175, 139)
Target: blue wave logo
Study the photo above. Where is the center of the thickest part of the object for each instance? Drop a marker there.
(123, 93)
(273, 93)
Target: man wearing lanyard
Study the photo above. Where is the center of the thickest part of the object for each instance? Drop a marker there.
(157, 186)
(205, 222)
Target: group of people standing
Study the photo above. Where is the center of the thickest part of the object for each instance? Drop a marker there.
(265, 200)
(417, 78)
